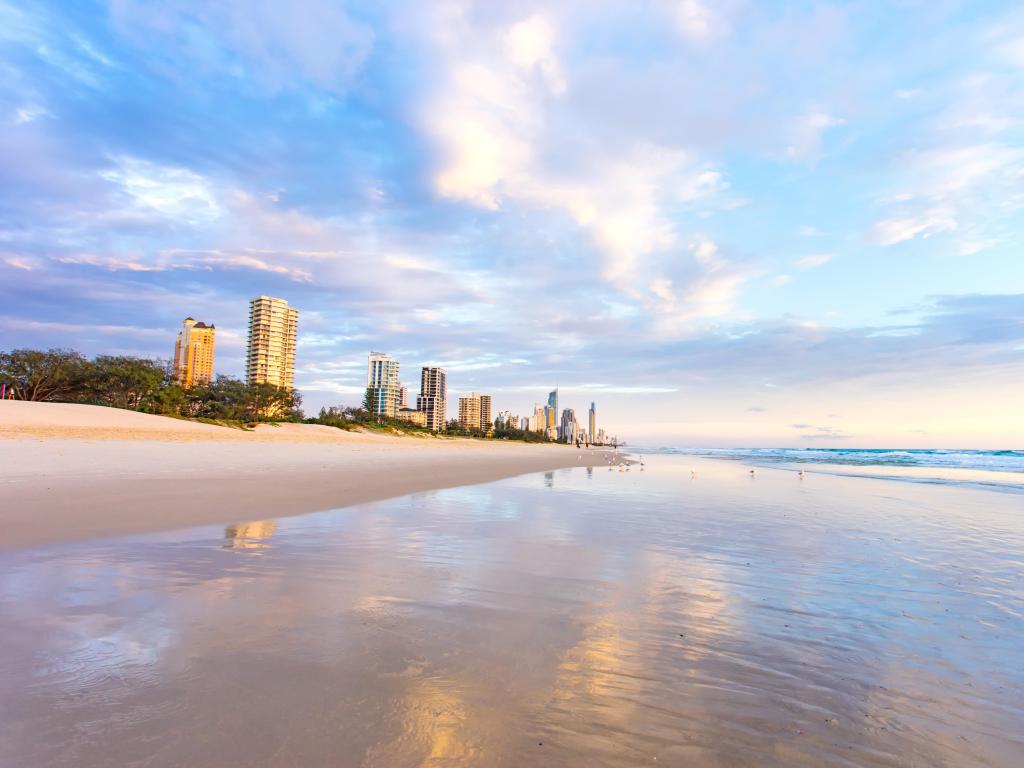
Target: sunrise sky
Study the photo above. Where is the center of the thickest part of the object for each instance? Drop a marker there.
(729, 223)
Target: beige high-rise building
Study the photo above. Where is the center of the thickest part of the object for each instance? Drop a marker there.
(486, 422)
(475, 412)
(433, 397)
(193, 353)
(273, 326)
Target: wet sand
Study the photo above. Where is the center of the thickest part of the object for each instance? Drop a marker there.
(574, 618)
(70, 472)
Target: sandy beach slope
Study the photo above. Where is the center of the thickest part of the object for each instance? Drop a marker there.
(71, 472)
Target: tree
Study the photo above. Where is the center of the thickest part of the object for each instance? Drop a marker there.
(267, 402)
(126, 382)
(35, 375)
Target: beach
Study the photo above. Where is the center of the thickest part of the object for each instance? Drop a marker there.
(684, 614)
(69, 471)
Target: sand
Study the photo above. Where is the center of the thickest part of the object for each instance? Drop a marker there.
(564, 619)
(71, 472)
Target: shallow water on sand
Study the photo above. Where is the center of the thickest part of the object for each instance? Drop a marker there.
(576, 618)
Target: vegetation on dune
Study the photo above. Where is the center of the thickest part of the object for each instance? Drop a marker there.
(140, 384)
(353, 419)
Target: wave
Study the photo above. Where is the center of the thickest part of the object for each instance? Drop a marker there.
(992, 461)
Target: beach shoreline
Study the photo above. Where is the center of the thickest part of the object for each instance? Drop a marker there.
(70, 472)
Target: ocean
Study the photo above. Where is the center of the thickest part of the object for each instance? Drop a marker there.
(1002, 470)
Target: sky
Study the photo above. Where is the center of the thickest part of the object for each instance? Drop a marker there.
(730, 223)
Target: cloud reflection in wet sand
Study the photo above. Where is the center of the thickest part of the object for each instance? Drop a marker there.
(569, 619)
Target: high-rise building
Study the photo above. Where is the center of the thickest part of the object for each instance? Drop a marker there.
(273, 326)
(592, 422)
(486, 424)
(538, 422)
(193, 353)
(475, 412)
(383, 385)
(469, 411)
(433, 397)
(551, 415)
(569, 429)
(403, 396)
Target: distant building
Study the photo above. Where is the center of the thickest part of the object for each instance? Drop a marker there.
(551, 415)
(382, 384)
(592, 422)
(508, 420)
(193, 353)
(475, 412)
(273, 326)
(403, 396)
(411, 415)
(433, 397)
(537, 422)
(486, 424)
(569, 429)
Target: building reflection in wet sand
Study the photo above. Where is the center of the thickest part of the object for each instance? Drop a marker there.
(251, 535)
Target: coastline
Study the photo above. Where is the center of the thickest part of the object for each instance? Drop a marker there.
(70, 472)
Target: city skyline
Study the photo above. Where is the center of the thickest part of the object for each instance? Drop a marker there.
(667, 208)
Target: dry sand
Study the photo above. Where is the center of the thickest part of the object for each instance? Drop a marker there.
(77, 471)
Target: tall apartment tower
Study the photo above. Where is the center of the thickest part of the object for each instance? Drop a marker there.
(469, 411)
(486, 421)
(592, 423)
(569, 429)
(551, 415)
(382, 381)
(193, 354)
(273, 326)
(433, 396)
(475, 412)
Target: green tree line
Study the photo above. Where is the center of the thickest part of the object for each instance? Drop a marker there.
(140, 384)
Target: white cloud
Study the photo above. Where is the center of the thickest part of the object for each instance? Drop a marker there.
(490, 119)
(806, 136)
(30, 113)
(694, 19)
(530, 44)
(899, 229)
(165, 192)
(812, 260)
(18, 262)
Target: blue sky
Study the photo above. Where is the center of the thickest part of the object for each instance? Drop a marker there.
(729, 223)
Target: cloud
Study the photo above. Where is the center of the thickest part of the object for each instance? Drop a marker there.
(901, 228)
(17, 262)
(156, 192)
(322, 44)
(812, 260)
(807, 134)
(694, 19)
